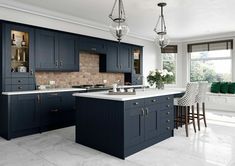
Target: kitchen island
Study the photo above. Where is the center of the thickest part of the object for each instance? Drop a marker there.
(121, 125)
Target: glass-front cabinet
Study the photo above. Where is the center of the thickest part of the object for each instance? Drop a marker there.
(18, 57)
(19, 51)
(137, 60)
(137, 77)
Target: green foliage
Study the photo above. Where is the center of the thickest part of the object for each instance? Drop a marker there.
(205, 72)
(159, 77)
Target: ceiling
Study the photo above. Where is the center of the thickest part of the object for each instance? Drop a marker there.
(184, 18)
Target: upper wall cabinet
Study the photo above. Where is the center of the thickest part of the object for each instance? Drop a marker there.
(118, 58)
(19, 51)
(56, 51)
(92, 45)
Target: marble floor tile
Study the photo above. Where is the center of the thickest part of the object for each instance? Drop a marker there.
(13, 155)
(212, 146)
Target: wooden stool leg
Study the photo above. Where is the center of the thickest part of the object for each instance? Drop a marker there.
(193, 118)
(204, 114)
(186, 120)
(198, 116)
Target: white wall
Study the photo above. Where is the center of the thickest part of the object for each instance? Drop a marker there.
(150, 50)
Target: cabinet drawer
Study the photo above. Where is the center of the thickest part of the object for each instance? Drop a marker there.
(134, 103)
(19, 87)
(165, 114)
(165, 106)
(151, 101)
(167, 98)
(19, 81)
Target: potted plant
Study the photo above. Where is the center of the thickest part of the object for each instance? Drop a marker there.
(159, 78)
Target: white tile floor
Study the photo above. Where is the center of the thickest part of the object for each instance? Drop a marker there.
(213, 146)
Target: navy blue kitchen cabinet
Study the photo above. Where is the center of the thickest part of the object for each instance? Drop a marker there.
(118, 58)
(56, 51)
(92, 45)
(26, 114)
(19, 115)
(112, 59)
(68, 52)
(122, 128)
(137, 65)
(51, 108)
(46, 54)
(125, 58)
(18, 58)
(56, 110)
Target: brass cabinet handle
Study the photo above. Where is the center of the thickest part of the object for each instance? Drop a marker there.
(168, 113)
(56, 63)
(168, 98)
(147, 111)
(168, 128)
(136, 103)
(154, 100)
(61, 63)
(142, 111)
(38, 98)
(93, 49)
(168, 106)
(19, 87)
(168, 121)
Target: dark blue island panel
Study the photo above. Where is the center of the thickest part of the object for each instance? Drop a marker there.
(122, 128)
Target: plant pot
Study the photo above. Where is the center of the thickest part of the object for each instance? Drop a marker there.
(160, 85)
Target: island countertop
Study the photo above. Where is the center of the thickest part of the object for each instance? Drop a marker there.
(140, 93)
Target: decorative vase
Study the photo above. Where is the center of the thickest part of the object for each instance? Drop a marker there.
(160, 85)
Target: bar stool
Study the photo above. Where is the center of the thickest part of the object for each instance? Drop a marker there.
(183, 105)
(200, 99)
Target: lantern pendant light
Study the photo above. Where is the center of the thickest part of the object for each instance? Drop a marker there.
(118, 27)
(160, 28)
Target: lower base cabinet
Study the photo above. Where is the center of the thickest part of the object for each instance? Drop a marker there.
(22, 115)
(122, 128)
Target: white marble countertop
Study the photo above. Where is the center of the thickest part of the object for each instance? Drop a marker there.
(150, 92)
(44, 91)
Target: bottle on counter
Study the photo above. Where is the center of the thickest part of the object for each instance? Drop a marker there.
(18, 54)
(13, 41)
(23, 43)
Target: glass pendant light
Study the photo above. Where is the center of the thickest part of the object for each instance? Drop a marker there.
(118, 27)
(160, 29)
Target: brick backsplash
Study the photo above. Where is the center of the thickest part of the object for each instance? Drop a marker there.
(88, 74)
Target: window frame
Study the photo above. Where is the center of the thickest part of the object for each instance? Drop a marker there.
(176, 66)
(210, 59)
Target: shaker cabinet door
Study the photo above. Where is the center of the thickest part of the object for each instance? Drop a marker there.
(46, 53)
(125, 58)
(134, 127)
(68, 53)
(151, 122)
(24, 112)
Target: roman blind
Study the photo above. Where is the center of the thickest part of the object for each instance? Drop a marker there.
(170, 49)
(211, 46)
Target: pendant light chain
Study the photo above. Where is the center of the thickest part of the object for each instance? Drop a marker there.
(160, 28)
(118, 27)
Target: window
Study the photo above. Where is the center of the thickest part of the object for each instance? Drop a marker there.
(211, 61)
(169, 59)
